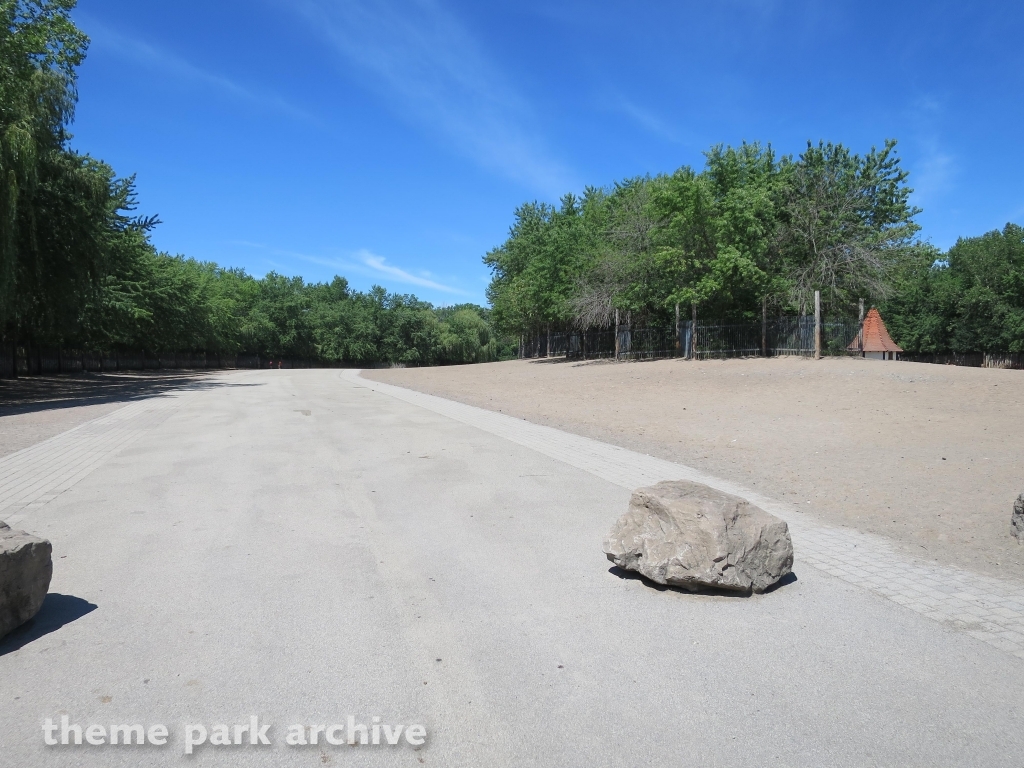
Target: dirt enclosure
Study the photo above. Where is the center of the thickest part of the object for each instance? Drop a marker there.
(930, 456)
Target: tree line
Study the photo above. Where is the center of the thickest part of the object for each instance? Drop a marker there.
(969, 299)
(78, 268)
(750, 236)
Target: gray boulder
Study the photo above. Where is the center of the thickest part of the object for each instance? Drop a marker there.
(1017, 521)
(691, 536)
(25, 571)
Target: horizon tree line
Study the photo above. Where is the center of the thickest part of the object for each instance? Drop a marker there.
(749, 235)
(78, 268)
(752, 235)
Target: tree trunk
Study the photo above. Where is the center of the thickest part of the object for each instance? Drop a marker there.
(629, 330)
(693, 334)
(616, 334)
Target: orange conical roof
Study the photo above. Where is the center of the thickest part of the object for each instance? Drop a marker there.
(876, 338)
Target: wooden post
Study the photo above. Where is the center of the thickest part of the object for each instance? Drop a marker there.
(860, 333)
(693, 334)
(616, 334)
(678, 340)
(817, 325)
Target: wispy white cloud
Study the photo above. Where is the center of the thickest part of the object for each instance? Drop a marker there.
(933, 175)
(379, 265)
(364, 262)
(149, 55)
(934, 168)
(428, 65)
(645, 119)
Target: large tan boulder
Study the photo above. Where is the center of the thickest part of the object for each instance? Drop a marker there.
(691, 536)
(25, 571)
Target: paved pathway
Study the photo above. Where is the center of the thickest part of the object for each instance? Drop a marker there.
(989, 609)
(305, 545)
(35, 476)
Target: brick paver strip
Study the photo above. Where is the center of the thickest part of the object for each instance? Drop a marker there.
(33, 477)
(989, 609)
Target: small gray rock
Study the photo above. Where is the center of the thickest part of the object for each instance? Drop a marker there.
(25, 571)
(1017, 521)
(692, 536)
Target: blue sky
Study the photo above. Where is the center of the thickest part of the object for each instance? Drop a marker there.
(390, 141)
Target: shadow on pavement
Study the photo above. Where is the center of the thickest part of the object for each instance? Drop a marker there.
(57, 611)
(40, 393)
(622, 573)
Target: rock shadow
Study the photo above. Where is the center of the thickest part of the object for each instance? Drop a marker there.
(623, 573)
(57, 611)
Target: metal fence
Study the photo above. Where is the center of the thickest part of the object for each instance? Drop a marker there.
(42, 361)
(780, 336)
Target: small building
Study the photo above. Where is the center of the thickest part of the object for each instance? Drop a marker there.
(874, 340)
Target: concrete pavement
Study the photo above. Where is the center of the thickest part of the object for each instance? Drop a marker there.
(987, 608)
(298, 546)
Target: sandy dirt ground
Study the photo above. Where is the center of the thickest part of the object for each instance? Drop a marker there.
(35, 408)
(929, 456)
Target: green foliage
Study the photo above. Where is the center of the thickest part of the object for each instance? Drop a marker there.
(48, 195)
(746, 232)
(536, 271)
(968, 300)
(717, 240)
(848, 223)
(77, 267)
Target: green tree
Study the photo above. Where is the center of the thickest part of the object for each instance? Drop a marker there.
(40, 48)
(848, 224)
(718, 233)
(970, 299)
